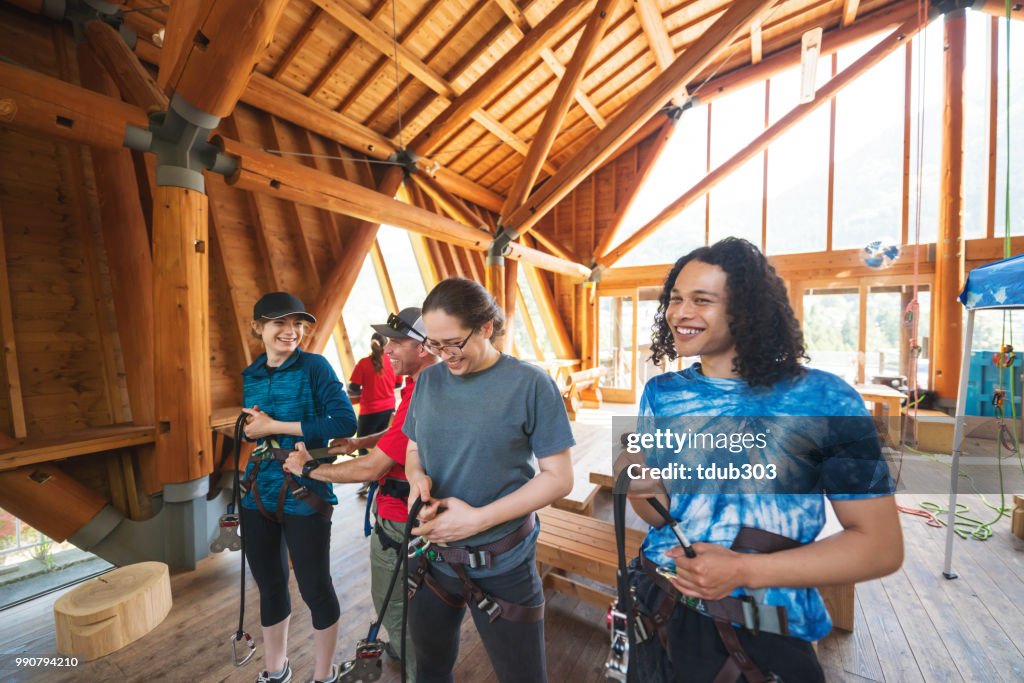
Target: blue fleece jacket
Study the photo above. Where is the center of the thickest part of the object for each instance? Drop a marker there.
(302, 389)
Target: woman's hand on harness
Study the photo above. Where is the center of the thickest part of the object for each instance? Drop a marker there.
(297, 459)
(258, 424)
(449, 520)
(712, 575)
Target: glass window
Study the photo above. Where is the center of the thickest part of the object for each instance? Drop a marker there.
(1015, 73)
(797, 171)
(34, 564)
(887, 346)
(682, 163)
(543, 335)
(736, 202)
(927, 95)
(615, 341)
(868, 196)
(406, 278)
(364, 307)
(830, 321)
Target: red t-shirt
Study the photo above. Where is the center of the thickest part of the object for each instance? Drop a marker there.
(378, 393)
(393, 444)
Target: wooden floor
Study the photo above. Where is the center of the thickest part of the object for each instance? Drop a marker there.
(911, 626)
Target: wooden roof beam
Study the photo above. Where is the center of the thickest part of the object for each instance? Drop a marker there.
(512, 63)
(451, 204)
(850, 8)
(756, 43)
(522, 24)
(179, 32)
(824, 94)
(653, 24)
(997, 8)
(265, 173)
(554, 114)
(642, 106)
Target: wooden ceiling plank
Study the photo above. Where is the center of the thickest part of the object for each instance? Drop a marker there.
(307, 31)
(555, 247)
(735, 20)
(382, 63)
(330, 225)
(521, 23)
(343, 53)
(310, 267)
(511, 63)
(795, 115)
(12, 374)
(556, 110)
(756, 43)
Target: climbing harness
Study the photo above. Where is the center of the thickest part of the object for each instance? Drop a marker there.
(631, 625)
(476, 557)
(230, 537)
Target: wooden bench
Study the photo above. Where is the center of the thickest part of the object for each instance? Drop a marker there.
(933, 430)
(573, 544)
(583, 390)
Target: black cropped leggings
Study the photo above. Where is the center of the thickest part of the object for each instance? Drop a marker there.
(307, 538)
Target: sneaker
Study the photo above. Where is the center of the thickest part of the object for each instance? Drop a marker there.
(285, 676)
(333, 678)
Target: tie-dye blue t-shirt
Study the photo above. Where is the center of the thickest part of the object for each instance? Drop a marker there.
(717, 518)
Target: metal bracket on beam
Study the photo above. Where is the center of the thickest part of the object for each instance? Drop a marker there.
(78, 13)
(407, 160)
(948, 6)
(179, 139)
(595, 274)
(498, 248)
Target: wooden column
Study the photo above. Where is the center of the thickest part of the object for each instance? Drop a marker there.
(511, 279)
(946, 345)
(182, 341)
(495, 283)
(9, 347)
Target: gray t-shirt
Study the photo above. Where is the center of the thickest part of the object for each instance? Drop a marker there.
(478, 434)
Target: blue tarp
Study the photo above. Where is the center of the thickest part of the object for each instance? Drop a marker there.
(996, 285)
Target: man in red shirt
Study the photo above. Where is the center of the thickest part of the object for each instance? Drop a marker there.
(385, 462)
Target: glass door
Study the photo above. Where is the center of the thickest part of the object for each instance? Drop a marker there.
(616, 345)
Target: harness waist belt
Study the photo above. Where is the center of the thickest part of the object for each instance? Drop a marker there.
(482, 556)
(744, 611)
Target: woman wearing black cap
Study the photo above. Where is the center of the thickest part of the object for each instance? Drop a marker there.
(290, 396)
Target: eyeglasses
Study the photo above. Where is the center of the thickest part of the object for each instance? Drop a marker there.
(399, 325)
(437, 348)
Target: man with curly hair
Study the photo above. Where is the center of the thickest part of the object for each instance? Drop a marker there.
(745, 606)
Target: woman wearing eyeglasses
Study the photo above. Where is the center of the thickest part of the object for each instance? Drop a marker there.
(477, 424)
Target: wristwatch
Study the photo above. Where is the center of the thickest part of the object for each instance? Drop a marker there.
(309, 467)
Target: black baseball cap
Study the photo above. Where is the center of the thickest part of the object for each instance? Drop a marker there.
(279, 304)
(407, 324)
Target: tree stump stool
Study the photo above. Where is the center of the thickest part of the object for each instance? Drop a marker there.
(106, 613)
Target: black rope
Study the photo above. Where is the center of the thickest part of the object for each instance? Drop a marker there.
(403, 559)
(236, 505)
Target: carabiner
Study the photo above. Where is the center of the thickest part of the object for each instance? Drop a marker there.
(417, 546)
(234, 648)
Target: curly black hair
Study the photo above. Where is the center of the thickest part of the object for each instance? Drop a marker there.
(769, 342)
